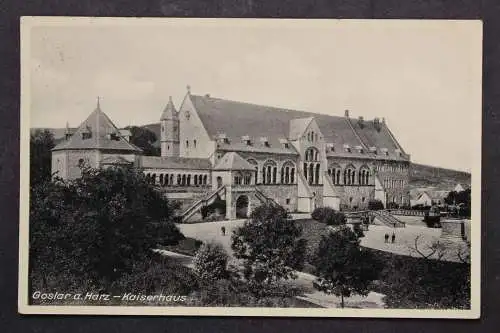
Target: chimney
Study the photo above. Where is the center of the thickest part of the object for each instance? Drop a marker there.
(361, 121)
(376, 124)
(346, 113)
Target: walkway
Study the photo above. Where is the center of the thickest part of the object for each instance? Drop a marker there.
(211, 231)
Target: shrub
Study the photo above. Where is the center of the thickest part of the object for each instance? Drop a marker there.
(328, 216)
(375, 204)
(320, 213)
(358, 230)
(210, 263)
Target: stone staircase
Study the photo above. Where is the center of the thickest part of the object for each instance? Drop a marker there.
(205, 201)
(387, 219)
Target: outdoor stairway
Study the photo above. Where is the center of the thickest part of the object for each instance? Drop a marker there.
(263, 198)
(205, 201)
(388, 219)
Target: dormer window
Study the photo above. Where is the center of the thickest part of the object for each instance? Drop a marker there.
(284, 143)
(246, 140)
(222, 137)
(347, 148)
(373, 150)
(330, 147)
(384, 151)
(398, 152)
(265, 141)
(188, 115)
(359, 149)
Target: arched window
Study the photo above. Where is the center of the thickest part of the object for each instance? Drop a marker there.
(316, 175)
(188, 180)
(334, 173)
(349, 175)
(171, 179)
(286, 172)
(195, 180)
(153, 179)
(205, 180)
(183, 183)
(311, 173)
(269, 172)
(161, 179)
(179, 180)
(364, 175)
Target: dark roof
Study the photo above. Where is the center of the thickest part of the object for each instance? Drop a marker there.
(156, 162)
(237, 119)
(99, 126)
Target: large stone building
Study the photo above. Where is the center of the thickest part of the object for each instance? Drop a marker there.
(245, 154)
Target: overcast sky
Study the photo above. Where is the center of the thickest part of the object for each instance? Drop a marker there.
(422, 76)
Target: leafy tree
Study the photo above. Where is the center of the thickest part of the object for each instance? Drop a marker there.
(267, 244)
(96, 228)
(342, 266)
(462, 199)
(41, 143)
(144, 139)
(210, 263)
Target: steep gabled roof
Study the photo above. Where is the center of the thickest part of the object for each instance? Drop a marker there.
(169, 112)
(236, 119)
(298, 126)
(233, 161)
(99, 126)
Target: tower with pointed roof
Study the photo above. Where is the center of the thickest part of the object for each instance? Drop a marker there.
(169, 132)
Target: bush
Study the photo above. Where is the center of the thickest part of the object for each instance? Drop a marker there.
(375, 204)
(358, 230)
(320, 213)
(328, 216)
(210, 263)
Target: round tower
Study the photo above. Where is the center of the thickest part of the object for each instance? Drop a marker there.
(169, 123)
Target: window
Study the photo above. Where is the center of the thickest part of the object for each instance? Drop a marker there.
(287, 201)
(86, 135)
(194, 143)
(349, 175)
(286, 145)
(187, 143)
(287, 173)
(162, 128)
(247, 180)
(269, 172)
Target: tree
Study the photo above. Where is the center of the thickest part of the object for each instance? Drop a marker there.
(96, 229)
(144, 139)
(210, 263)
(268, 243)
(342, 266)
(41, 143)
(328, 216)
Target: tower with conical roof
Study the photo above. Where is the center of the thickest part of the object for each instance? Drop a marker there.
(169, 123)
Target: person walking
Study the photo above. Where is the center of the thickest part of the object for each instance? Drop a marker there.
(223, 230)
(386, 237)
(393, 237)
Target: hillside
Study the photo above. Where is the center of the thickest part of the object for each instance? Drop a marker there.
(421, 175)
(430, 176)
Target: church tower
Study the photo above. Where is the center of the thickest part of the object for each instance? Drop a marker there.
(169, 123)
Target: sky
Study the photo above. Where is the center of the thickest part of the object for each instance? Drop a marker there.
(423, 77)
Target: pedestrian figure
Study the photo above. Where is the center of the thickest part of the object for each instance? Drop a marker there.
(223, 230)
(386, 238)
(393, 238)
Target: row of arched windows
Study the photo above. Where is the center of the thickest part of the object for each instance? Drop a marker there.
(394, 183)
(349, 175)
(269, 172)
(177, 179)
(391, 167)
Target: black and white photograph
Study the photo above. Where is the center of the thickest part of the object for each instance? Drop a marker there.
(250, 167)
